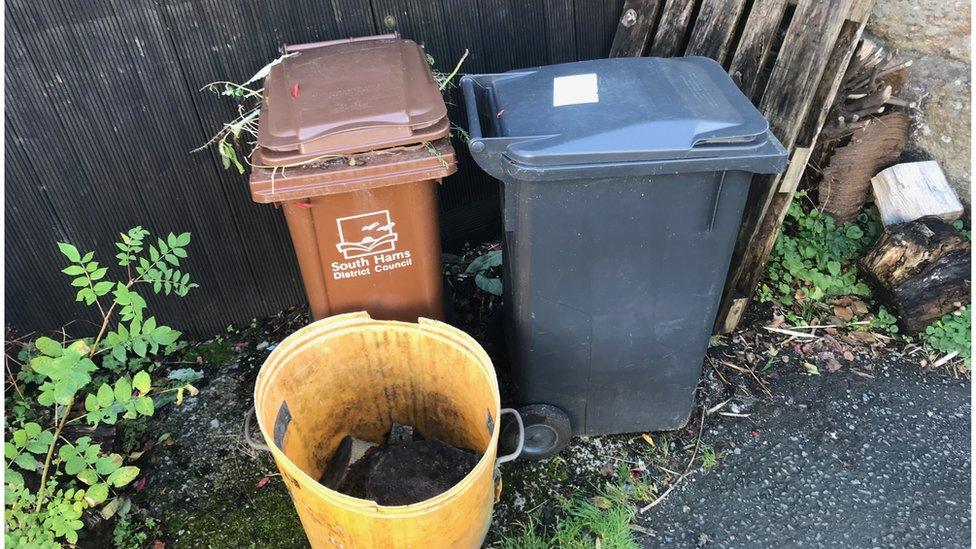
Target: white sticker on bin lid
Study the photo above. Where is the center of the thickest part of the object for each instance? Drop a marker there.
(574, 90)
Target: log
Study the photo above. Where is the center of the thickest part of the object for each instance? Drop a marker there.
(847, 179)
(911, 190)
(920, 270)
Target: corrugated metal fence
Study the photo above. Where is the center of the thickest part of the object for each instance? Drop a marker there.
(102, 107)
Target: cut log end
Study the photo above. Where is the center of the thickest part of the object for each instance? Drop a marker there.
(921, 270)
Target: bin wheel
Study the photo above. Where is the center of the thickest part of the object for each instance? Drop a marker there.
(547, 431)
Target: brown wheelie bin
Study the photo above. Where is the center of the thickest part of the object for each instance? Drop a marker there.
(353, 141)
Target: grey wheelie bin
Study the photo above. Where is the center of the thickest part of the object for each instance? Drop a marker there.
(623, 186)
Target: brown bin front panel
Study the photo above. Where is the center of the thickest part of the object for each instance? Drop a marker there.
(376, 250)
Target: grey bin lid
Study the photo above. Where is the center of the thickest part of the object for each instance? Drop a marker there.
(623, 110)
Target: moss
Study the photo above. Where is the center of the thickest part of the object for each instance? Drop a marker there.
(216, 351)
(268, 519)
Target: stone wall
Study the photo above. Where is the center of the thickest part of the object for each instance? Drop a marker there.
(935, 34)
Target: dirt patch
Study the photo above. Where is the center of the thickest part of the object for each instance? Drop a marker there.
(207, 486)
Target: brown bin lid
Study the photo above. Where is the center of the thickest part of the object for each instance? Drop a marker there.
(349, 96)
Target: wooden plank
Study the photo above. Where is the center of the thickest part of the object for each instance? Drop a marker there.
(714, 29)
(183, 189)
(754, 45)
(672, 31)
(908, 191)
(803, 57)
(809, 47)
(65, 99)
(596, 22)
(560, 16)
(635, 27)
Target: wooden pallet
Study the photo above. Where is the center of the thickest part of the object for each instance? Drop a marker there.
(788, 57)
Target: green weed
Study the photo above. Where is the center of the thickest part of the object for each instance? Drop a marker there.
(709, 457)
(603, 520)
(884, 321)
(951, 333)
(217, 351)
(131, 533)
(961, 227)
(814, 259)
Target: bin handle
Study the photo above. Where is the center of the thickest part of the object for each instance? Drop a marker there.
(521, 436)
(471, 105)
(487, 151)
(248, 418)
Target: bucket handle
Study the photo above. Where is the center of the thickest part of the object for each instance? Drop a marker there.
(521, 436)
(248, 418)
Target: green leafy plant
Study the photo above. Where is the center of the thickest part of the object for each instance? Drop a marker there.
(49, 479)
(709, 457)
(884, 321)
(603, 520)
(814, 260)
(952, 334)
(961, 227)
(482, 267)
(131, 532)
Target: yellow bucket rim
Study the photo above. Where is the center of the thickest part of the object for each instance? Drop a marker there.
(338, 325)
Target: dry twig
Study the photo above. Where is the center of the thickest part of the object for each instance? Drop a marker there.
(687, 471)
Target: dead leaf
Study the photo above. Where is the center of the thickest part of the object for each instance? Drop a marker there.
(832, 344)
(262, 482)
(778, 320)
(159, 544)
(601, 502)
(811, 369)
(192, 390)
(111, 508)
(199, 360)
(136, 455)
(844, 313)
(647, 438)
(831, 361)
(848, 356)
(864, 338)
(799, 295)
(139, 484)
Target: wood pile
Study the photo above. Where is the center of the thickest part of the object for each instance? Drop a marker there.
(911, 190)
(921, 269)
(866, 130)
(877, 143)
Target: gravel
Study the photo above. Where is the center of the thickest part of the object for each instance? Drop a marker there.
(838, 460)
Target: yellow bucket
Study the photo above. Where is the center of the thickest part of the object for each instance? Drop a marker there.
(352, 375)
